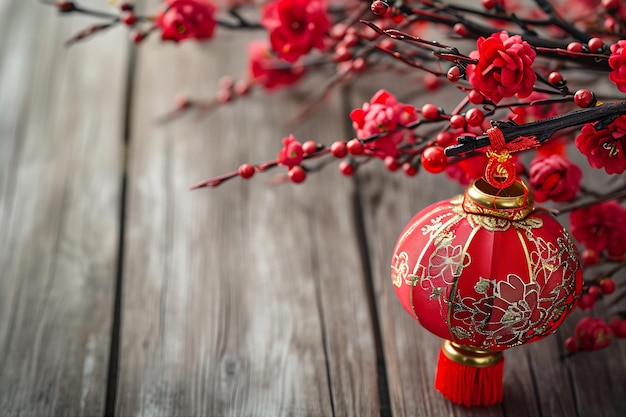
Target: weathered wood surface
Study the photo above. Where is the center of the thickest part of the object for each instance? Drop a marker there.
(60, 178)
(246, 300)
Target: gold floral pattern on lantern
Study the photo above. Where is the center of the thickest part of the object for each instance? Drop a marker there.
(512, 312)
(485, 281)
(400, 268)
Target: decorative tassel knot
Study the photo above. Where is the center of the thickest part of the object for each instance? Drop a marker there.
(500, 171)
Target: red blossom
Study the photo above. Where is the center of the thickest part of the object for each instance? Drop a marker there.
(592, 333)
(618, 325)
(554, 178)
(295, 26)
(617, 62)
(186, 19)
(291, 153)
(601, 227)
(504, 67)
(269, 71)
(382, 114)
(604, 147)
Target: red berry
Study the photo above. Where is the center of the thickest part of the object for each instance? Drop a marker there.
(457, 121)
(182, 101)
(226, 82)
(390, 163)
(128, 18)
(475, 96)
(342, 53)
(610, 23)
(358, 64)
(584, 98)
(460, 29)
(586, 302)
(488, 4)
(571, 344)
(338, 31)
(555, 78)
(126, 7)
(595, 292)
(379, 8)
(590, 257)
(409, 169)
(444, 139)
(355, 147)
(309, 147)
(241, 87)
(386, 44)
(431, 82)
(338, 149)
(297, 174)
(575, 47)
(595, 44)
(474, 117)
(618, 325)
(224, 96)
(346, 168)
(246, 171)
(430, 111)
(350, 39)
(610, 5)
(137, 36)
(454, 73)
(607, 286)
(434, 159)
(65, 6)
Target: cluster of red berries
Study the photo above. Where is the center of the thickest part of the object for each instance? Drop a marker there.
(595, 291)
(592, 333)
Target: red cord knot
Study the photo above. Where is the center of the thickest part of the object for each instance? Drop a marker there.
(500, 171)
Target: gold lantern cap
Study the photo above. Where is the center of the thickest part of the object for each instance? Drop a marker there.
(513, 203)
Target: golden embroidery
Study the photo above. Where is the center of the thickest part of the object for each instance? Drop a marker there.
(400, 268)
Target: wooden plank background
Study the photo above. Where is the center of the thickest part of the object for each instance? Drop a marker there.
(60, 178)
(122, 293)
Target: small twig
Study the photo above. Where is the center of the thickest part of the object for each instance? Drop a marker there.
(85, 33)
(240, 22)
(557, 20)
(396, 34)
(614, 195)
(262, 167)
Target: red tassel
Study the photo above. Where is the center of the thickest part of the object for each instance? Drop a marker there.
(470, 376)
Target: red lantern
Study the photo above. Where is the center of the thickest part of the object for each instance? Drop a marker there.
(486, 271)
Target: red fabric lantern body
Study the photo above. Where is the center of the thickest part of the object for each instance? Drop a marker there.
(486, 272)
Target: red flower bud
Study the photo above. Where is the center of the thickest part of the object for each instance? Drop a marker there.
(618, 326)
(186, 19)
(291, 153)
(593, 333)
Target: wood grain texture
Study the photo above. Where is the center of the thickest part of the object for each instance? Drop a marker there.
(60, 158)
(245, 300)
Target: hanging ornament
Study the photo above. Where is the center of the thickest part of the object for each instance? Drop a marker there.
(486, 271)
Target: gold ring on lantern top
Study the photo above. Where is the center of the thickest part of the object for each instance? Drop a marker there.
(470, 356)
(511, 203)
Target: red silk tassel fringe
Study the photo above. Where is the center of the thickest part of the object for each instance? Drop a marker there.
(469, 385)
